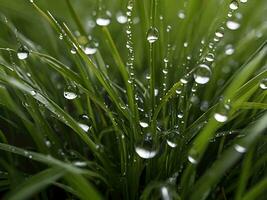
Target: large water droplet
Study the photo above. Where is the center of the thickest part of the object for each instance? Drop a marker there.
(23, 52)
(263, 84)
(70, 93)
(147, 147)
(232, 25)
(152, 35)
(222, 114)
(234, 5)
(121, 18)
(202, 74)
(103, 21)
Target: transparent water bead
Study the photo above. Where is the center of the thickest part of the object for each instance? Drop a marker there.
(229, 50)
(162, 192)
(181, 14)
(147, 147)
(263, 84)
(143, 124)
(234, 5)
(121, 18)
(152, 35)
(33, 93)
(70, 93)
(103, 20)
(85, 127)
(222, 114)
(219, 34)
(243, 1)
(210, 57)
(202, 74)
(232, 25)
(173, 138)
(239, 148)
(23, 52)
(91, 48)
(73, 51)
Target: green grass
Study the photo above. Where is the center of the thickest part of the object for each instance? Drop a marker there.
(167, 100)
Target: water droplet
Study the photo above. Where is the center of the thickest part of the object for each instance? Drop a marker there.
(23, 52)
(222, 114)
(90, 48)
(210, 57)
(229, 49)
(79, 163)
(202, 74)
(232, 25)
(181, 14)
(152, 35)
(73, 50)
(143, 124)
(69, 93)
(60, 36)
(33, 93)
(243, 1)
(219, 34)
(121, 18)
(173, 138)
(85, 127)
(156, 92)
(103, 21)
(240, 148)
(263, 84)
(234, 5)
(192, 160)
(147, 147)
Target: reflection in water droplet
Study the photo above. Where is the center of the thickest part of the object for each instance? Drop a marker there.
(102, 21)
(73, 50)
(232, 25)
(192, 160)
(263, 84)
(23, 52)
(181, 14)
(210, 57)
(243, 1)
(240, 148)
(70, 95)
(152, 35)
(172, 139)
(202, 74)
(147, 148)
(84, 127)
(33, 93)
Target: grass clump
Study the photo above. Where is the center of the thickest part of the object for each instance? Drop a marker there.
(133, 99)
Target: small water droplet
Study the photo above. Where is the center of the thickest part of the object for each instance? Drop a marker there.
(263, 84)
(229, 49)
(60, 36)
(79, 163)
(33, 93)
(232, 25)
(73, 50)
(243, 1)
(234, 5)
(23, 52)
(90, 48)
(219, 34)
(172, 139)
(143, 124)
(202, 74)
(181, 14)
(147, 147)
(152, 35)
(240, 148)
(192, 160)
(210, 57)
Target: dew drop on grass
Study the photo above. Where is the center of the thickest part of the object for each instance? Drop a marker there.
(33, 93)
(243, 1)
(103, 18)
(90, 48)
(210, 57)
(181, 14)
(239, 148)
(79, 163)
(172, 139)
(202, 74)
(232, 25)
(263, 84)
(147, 147)
(69, 93)
(143, 124)
(121, 18)
(192, 160)
(234, 5)
(219, 34)
(85, 127)
(23, 52)
(73, 50)
(222, 114)
(229, 50)
(60, 36)
(152, 35)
